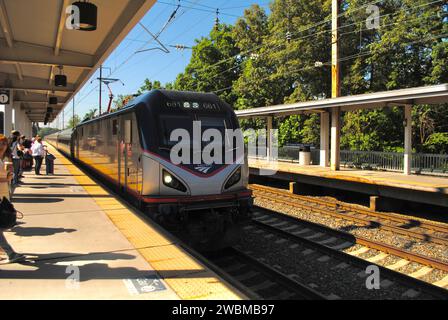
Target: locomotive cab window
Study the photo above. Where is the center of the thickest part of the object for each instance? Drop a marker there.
(169, 123)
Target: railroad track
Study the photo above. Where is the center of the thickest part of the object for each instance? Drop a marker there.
(260, 281)
(332, 243)
(411, 228)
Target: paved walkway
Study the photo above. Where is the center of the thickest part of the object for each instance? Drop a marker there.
(76, 229)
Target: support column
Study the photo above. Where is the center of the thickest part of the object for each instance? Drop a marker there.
(8, 114)
(335, 138)
(324, 138)
(269, 121)
(407, 163)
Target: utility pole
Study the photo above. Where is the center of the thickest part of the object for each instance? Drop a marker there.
(335, 87)
(73, 110)
(101, 86)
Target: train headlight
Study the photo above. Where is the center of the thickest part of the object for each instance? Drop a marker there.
(172, 182)
(168, 179)
(234, 179)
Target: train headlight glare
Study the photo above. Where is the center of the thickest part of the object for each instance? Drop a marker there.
(168, 179)
(172, 182)
(234, 179)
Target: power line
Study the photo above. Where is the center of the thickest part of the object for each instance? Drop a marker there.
(306, 28)
(198, 9)
(358, 55)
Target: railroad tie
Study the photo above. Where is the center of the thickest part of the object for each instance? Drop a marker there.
(411, 293)
(290, 228)
(443, 283)
(359, 251)
(398, 264)
(342, 246)
(247, 275)
(314, 236)
(421, 272)
(324, 259)
(301, 231)
(342, 265)
(279, 224)
(386, 283)
(307, 252)
(378, 257)
(328, 241)
(262, 286)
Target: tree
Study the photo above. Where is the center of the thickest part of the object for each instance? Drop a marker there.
(43, 132)
(121, 101)
(213, 65)
(90, 115)
(73, 122)
(148, 85)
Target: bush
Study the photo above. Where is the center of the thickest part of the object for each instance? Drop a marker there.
(437, 143)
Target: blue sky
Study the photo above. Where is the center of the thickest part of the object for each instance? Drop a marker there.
(193, 20)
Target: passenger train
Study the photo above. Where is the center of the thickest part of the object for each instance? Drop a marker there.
(130, 149)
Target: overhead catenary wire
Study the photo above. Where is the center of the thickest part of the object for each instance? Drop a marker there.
(306, 28)
(362, 54)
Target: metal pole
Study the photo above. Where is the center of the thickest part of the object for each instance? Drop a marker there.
(101, 85)
(73, 110)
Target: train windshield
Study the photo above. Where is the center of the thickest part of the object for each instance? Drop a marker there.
(169, 123)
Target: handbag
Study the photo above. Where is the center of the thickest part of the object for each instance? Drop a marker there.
(8, 214)
(27, 156)
(50, 157)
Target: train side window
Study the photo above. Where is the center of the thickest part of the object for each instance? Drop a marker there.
(114, 127)
(128, 131)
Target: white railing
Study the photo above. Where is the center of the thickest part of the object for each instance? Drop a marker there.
(422, 163)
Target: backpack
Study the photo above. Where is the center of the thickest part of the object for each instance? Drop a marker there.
(8, 214)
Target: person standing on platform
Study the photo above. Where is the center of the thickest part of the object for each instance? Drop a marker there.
(38, 153)
(6, 176)
(15, 150)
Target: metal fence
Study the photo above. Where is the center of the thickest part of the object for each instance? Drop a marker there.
(393, 161)
(286, 153)
(372, 160)
(422, 163)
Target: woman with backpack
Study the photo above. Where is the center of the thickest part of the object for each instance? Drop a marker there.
(6, 176)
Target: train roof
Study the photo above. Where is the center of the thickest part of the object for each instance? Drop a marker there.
(158, 94)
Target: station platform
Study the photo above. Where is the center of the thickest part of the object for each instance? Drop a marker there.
(74, 229)
(417, 188)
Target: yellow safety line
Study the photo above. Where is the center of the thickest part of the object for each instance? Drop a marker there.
(186, 276)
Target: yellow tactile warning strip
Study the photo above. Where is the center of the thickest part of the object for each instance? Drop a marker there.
(185, 275)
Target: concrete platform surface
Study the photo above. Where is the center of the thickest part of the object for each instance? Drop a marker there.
(391, 179)
(82, 243)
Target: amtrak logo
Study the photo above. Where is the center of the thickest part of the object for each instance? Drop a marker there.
(203, 168)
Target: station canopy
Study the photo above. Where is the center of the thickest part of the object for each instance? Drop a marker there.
(35, 43)
(435, 94)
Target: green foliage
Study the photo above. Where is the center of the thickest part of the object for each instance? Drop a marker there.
(437, 143)
(90, 115)
(73, 122)
(43, 132)
(251, 64)
(121, 101)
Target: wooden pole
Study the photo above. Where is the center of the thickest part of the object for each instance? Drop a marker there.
(335, 88)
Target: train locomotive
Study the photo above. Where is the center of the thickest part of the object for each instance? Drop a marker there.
(131, 150)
